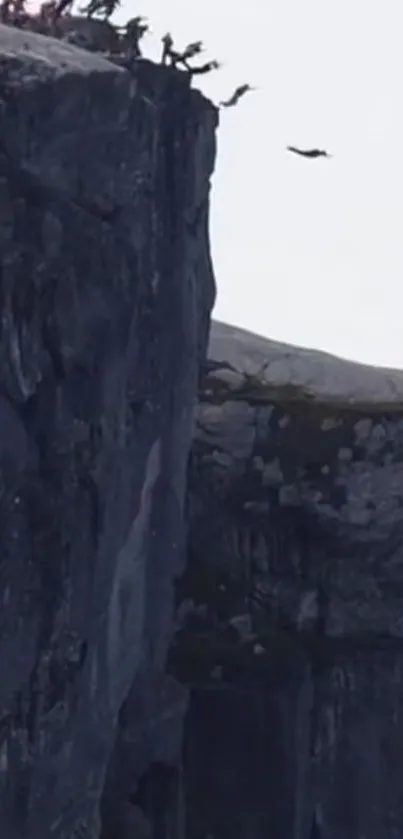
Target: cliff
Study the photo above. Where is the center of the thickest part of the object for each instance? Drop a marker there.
(106, 289)
(226, 668)
(289, 614)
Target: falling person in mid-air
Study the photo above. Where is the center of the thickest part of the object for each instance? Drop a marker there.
(204, 68)
(309, 152)
(234, 99)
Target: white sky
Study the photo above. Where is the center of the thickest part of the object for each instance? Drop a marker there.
(308, 252)
(305, 251)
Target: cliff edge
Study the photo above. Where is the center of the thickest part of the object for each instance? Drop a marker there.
(106, 290)
(289, 614)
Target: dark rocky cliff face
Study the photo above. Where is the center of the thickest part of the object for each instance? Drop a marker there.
(106, 288)
(276, 708)
(290, 612)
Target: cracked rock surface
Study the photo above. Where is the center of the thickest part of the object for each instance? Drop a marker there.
(290, 611)
(106, 287)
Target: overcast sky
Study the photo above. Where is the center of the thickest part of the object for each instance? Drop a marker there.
(307, 252)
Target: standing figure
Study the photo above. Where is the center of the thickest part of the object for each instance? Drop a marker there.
(133, 32)
(101, 7)
(175, 57)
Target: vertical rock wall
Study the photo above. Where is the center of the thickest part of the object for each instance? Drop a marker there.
(290, 632)
(106, 287)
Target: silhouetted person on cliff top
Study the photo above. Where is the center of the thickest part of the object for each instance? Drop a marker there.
(167, 48)
(169, 54)
(61, 6)
(15, 14)
(105, 7)
(309, 152)
(234, 99)
(133, 31)
(5, 11)
(172, 56)
(192, 49)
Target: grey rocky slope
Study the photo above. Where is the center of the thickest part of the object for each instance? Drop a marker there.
(106, 288)
(290, 612)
